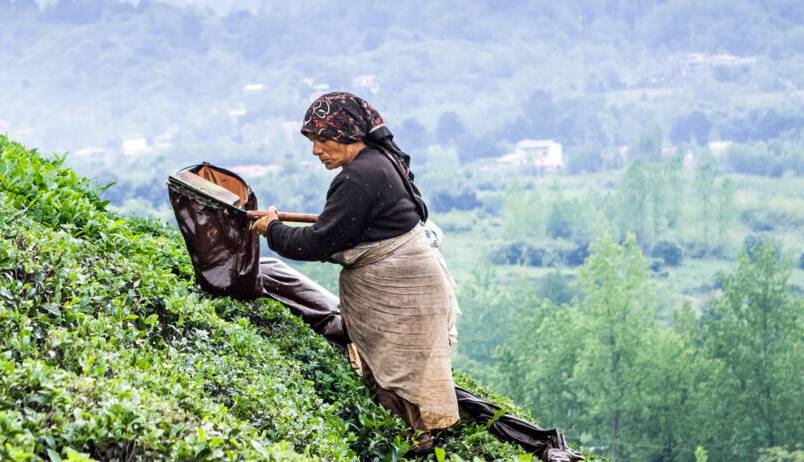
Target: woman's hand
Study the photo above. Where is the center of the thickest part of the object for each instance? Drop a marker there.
(261, 225)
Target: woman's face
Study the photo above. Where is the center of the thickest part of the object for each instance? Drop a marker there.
(331, 153)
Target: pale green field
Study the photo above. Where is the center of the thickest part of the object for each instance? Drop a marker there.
(693, 281)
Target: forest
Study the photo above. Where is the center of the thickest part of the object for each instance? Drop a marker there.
(644, 295)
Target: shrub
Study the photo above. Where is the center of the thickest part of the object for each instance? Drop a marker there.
(567, 219)
(584, 158)
(753, 244)
(559, 222)
(110, 351)
(757, 220)
(556, 287)
(577, 256)
(669, 252)
(520, 253)
(445, 201)
(763, 219)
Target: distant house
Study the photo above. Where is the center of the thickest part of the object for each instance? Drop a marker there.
(546, 155)
(695, 64)
(689, 66)
(719, 147)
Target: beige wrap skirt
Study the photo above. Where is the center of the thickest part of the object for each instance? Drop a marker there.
(395, 300)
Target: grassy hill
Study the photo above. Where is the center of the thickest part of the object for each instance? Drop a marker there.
(108, 351)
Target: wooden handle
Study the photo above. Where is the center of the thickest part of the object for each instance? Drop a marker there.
(283, 216)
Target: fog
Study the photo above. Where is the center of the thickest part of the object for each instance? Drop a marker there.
(554, 142)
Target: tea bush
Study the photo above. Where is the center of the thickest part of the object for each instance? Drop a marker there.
(109, 351)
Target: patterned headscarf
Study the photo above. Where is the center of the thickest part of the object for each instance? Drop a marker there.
(342, 117)
(347, 118)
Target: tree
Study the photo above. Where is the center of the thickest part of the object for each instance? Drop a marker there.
(520, 219)
(646, 201)
(726, 213)
(560, 219)
(753, 335)
(581, 366)
(668, 251)
(706, 200)
(649, 146)
(444, 201)
(632, 204)
(536, 365)
(472, 147)
(556, 287)
(665, 424)
(618, 307)
(488, 313)
(584, 158)
(716, 213)
(568, 218)
(694, 126)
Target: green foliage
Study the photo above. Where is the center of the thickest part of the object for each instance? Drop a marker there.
(716, 213)
(753, 339)
(520, 252)
(618, 305)
(770, 159)
(557, 288)
(604, 368)
(569, 218)
(670, 253)
(649, 146)
(520, 216)
(700, 454)
(648, 201)
(110, 352)
(482, 329)
(777, 454)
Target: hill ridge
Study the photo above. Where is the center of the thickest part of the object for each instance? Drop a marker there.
(111, 352)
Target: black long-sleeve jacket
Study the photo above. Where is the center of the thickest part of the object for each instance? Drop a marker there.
(367, 201)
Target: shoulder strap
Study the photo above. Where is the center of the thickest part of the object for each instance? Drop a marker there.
(412, 189)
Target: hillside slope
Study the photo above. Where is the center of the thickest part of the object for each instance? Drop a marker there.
(109, 351)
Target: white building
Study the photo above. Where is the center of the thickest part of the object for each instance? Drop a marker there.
(719, 148)
(546, 155)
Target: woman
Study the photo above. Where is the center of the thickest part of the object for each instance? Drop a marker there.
(395, 296)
